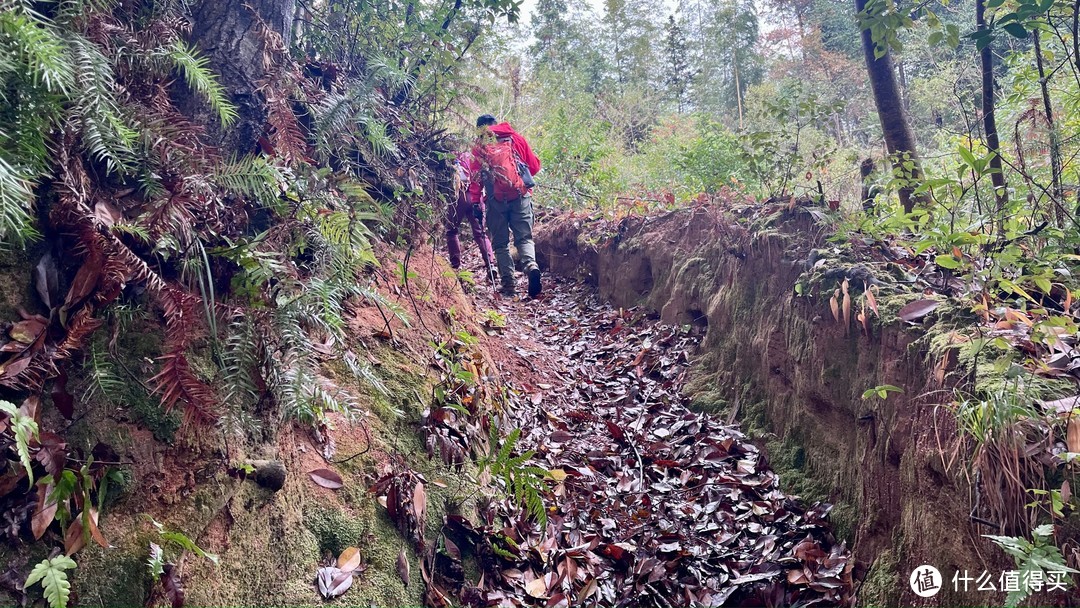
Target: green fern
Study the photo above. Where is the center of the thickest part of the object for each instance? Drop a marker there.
(53, 578)
(381, 143)
(522, 481)
(364, 373)
(24, 428)
(252, 177)
(239, 365)
(16, 200)
(183, 542)
(196, 71)
(103, 383)
(33, 40)
(106, 134)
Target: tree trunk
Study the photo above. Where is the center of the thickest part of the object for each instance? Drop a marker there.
(230, 34)
(1055, 143)
(894, 124)
(997, 177)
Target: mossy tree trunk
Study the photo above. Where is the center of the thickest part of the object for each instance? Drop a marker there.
(242, 38)
(899, 139)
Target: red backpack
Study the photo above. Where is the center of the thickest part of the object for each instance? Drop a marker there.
(498, 167)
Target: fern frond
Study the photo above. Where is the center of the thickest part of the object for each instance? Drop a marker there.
(381, 143)
(106, 135)
(364, 373)
(196, 71)
(252, 177)
(239, 361)
(398, 311)
(133, 230)
(39, 48)
(390, 75)
(16, 201)
(103, 383)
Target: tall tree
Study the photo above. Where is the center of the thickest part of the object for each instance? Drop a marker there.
(677, 70)
(986, 63)
(899, 138)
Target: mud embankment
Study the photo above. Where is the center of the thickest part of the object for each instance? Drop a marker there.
(780, 364)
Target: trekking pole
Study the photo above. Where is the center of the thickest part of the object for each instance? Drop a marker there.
(487, 260)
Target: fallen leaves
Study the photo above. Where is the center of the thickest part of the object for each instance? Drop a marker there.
(327, 479)
(918, 309)
(334, 580)
(648, 503)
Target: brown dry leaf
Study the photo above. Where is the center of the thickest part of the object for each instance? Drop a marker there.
(74, 539)
(1072, 435)
(26, 331)
(403, 567)
(30, 408)
(847, 306)
(587, 591)
(1066, 491)
(43, 515)
(95, 533)
(349, 559)
(917, 310)
(419, 502)
(1068, 300)
(834, 305)
(537, 588)
(326, 478)
(871, 299)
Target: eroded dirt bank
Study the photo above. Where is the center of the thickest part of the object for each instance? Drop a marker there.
(778, 362)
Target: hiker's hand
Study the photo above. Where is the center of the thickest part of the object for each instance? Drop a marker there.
(478, 212)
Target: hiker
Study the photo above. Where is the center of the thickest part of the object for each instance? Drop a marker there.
(506, 165)
(466, 206)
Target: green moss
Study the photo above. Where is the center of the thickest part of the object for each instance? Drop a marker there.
(16, 287)
(333, 530)
(883, 583)
(113, 577)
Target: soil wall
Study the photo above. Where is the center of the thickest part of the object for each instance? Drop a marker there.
(793, 377)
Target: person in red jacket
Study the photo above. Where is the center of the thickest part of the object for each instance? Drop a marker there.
(514, 216)
(466, 206)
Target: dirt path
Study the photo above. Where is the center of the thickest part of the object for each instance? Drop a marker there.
(651, 504)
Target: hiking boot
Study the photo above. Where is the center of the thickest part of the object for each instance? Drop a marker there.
(534, 281)
(494, 274)
(507, 290)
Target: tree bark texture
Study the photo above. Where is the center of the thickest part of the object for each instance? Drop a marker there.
(997, 177)
(899, 138)
(1055, 142)
(230, 34)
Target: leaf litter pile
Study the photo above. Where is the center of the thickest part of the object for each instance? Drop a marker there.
(648, 503)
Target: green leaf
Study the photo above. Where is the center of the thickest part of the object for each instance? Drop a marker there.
(947, 261)
(24, 429)
(1016, 30)
(969, 158)
(156, 563)
(54, 580)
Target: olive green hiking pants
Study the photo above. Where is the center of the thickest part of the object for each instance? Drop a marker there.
(515, 216)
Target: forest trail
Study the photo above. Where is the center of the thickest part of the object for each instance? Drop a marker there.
(653, 504)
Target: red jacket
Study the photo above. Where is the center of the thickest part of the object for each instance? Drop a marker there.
(521, 150)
